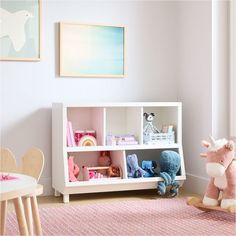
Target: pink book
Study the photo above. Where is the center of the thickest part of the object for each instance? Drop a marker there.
(70, 135)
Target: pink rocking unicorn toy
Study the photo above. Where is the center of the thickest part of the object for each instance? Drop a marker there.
(221, 167)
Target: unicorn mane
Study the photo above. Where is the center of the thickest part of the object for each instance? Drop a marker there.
(217, 144)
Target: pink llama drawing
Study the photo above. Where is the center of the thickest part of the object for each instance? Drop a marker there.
(221, 167)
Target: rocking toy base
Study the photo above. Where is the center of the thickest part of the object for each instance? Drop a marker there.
(197, 202)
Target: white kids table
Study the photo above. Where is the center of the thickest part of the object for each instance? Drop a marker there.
(14, 189)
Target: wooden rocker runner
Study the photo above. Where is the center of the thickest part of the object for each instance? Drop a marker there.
(197, 202)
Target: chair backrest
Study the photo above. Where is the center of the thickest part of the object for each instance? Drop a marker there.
(7, 161)
(32, 163)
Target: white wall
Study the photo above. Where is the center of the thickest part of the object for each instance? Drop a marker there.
(220, 69)
(203, 78)
(232, 69)
(29, 88)
(195, 85)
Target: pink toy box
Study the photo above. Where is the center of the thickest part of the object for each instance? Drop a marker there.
(101, 172)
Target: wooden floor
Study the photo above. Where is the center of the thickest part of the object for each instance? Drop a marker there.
(92, 198)
(51, 201)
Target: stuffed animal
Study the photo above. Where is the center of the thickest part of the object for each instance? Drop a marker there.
(113, 171)
(170, 162)
(149, 167)
(73, 169)
(104, 159)
(221, 167)
(134, 170)
(149, 127)
(93, 174)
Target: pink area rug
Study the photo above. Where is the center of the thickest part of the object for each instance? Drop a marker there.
(141, 217)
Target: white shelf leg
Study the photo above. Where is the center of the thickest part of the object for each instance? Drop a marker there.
(57, 193)
(66, 198)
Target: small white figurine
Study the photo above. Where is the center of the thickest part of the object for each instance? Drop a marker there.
(149, 128)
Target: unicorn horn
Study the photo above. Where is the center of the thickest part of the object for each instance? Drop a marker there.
(212, 140)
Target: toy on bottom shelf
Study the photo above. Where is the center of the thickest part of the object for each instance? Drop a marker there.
(221, 167)
(90, 173)
(114, 171)
(170, 162)
(134, 170)
(149, 167)
(93, 174)
(73, 169)
(101, 172)
(104, 159)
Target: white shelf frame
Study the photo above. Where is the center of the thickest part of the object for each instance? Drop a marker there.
(60, 152)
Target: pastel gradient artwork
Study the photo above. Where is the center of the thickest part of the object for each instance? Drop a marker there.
(91, 50)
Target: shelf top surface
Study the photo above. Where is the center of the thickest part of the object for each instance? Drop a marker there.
(126, 147)
(122, 104)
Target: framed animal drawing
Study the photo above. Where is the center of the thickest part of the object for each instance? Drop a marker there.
(20, 30)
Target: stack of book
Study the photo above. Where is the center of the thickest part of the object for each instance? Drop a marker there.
(120, 140)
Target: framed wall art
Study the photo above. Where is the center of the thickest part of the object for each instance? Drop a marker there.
(92, 50)
(20, 30)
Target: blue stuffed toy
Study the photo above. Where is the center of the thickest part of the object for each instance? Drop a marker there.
(149, 167)
(170, 162)
(134, 170)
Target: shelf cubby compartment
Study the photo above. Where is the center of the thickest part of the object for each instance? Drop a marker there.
(152, 155)
(124, 121)
(88, 118)
(90, 159)
(166, 116)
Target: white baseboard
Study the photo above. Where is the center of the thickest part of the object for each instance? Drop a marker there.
(195, 184)
(47, 186)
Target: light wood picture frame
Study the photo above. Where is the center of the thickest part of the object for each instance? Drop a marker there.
(20, 30)
(95, 51)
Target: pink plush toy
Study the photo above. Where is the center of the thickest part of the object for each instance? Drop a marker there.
(73, 169)
(92, 174)
(221, 167)
(104, 159)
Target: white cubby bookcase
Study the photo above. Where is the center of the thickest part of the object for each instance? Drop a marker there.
(110, 119)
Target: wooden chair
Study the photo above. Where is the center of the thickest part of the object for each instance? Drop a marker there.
(32, 164)
(7, 161)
